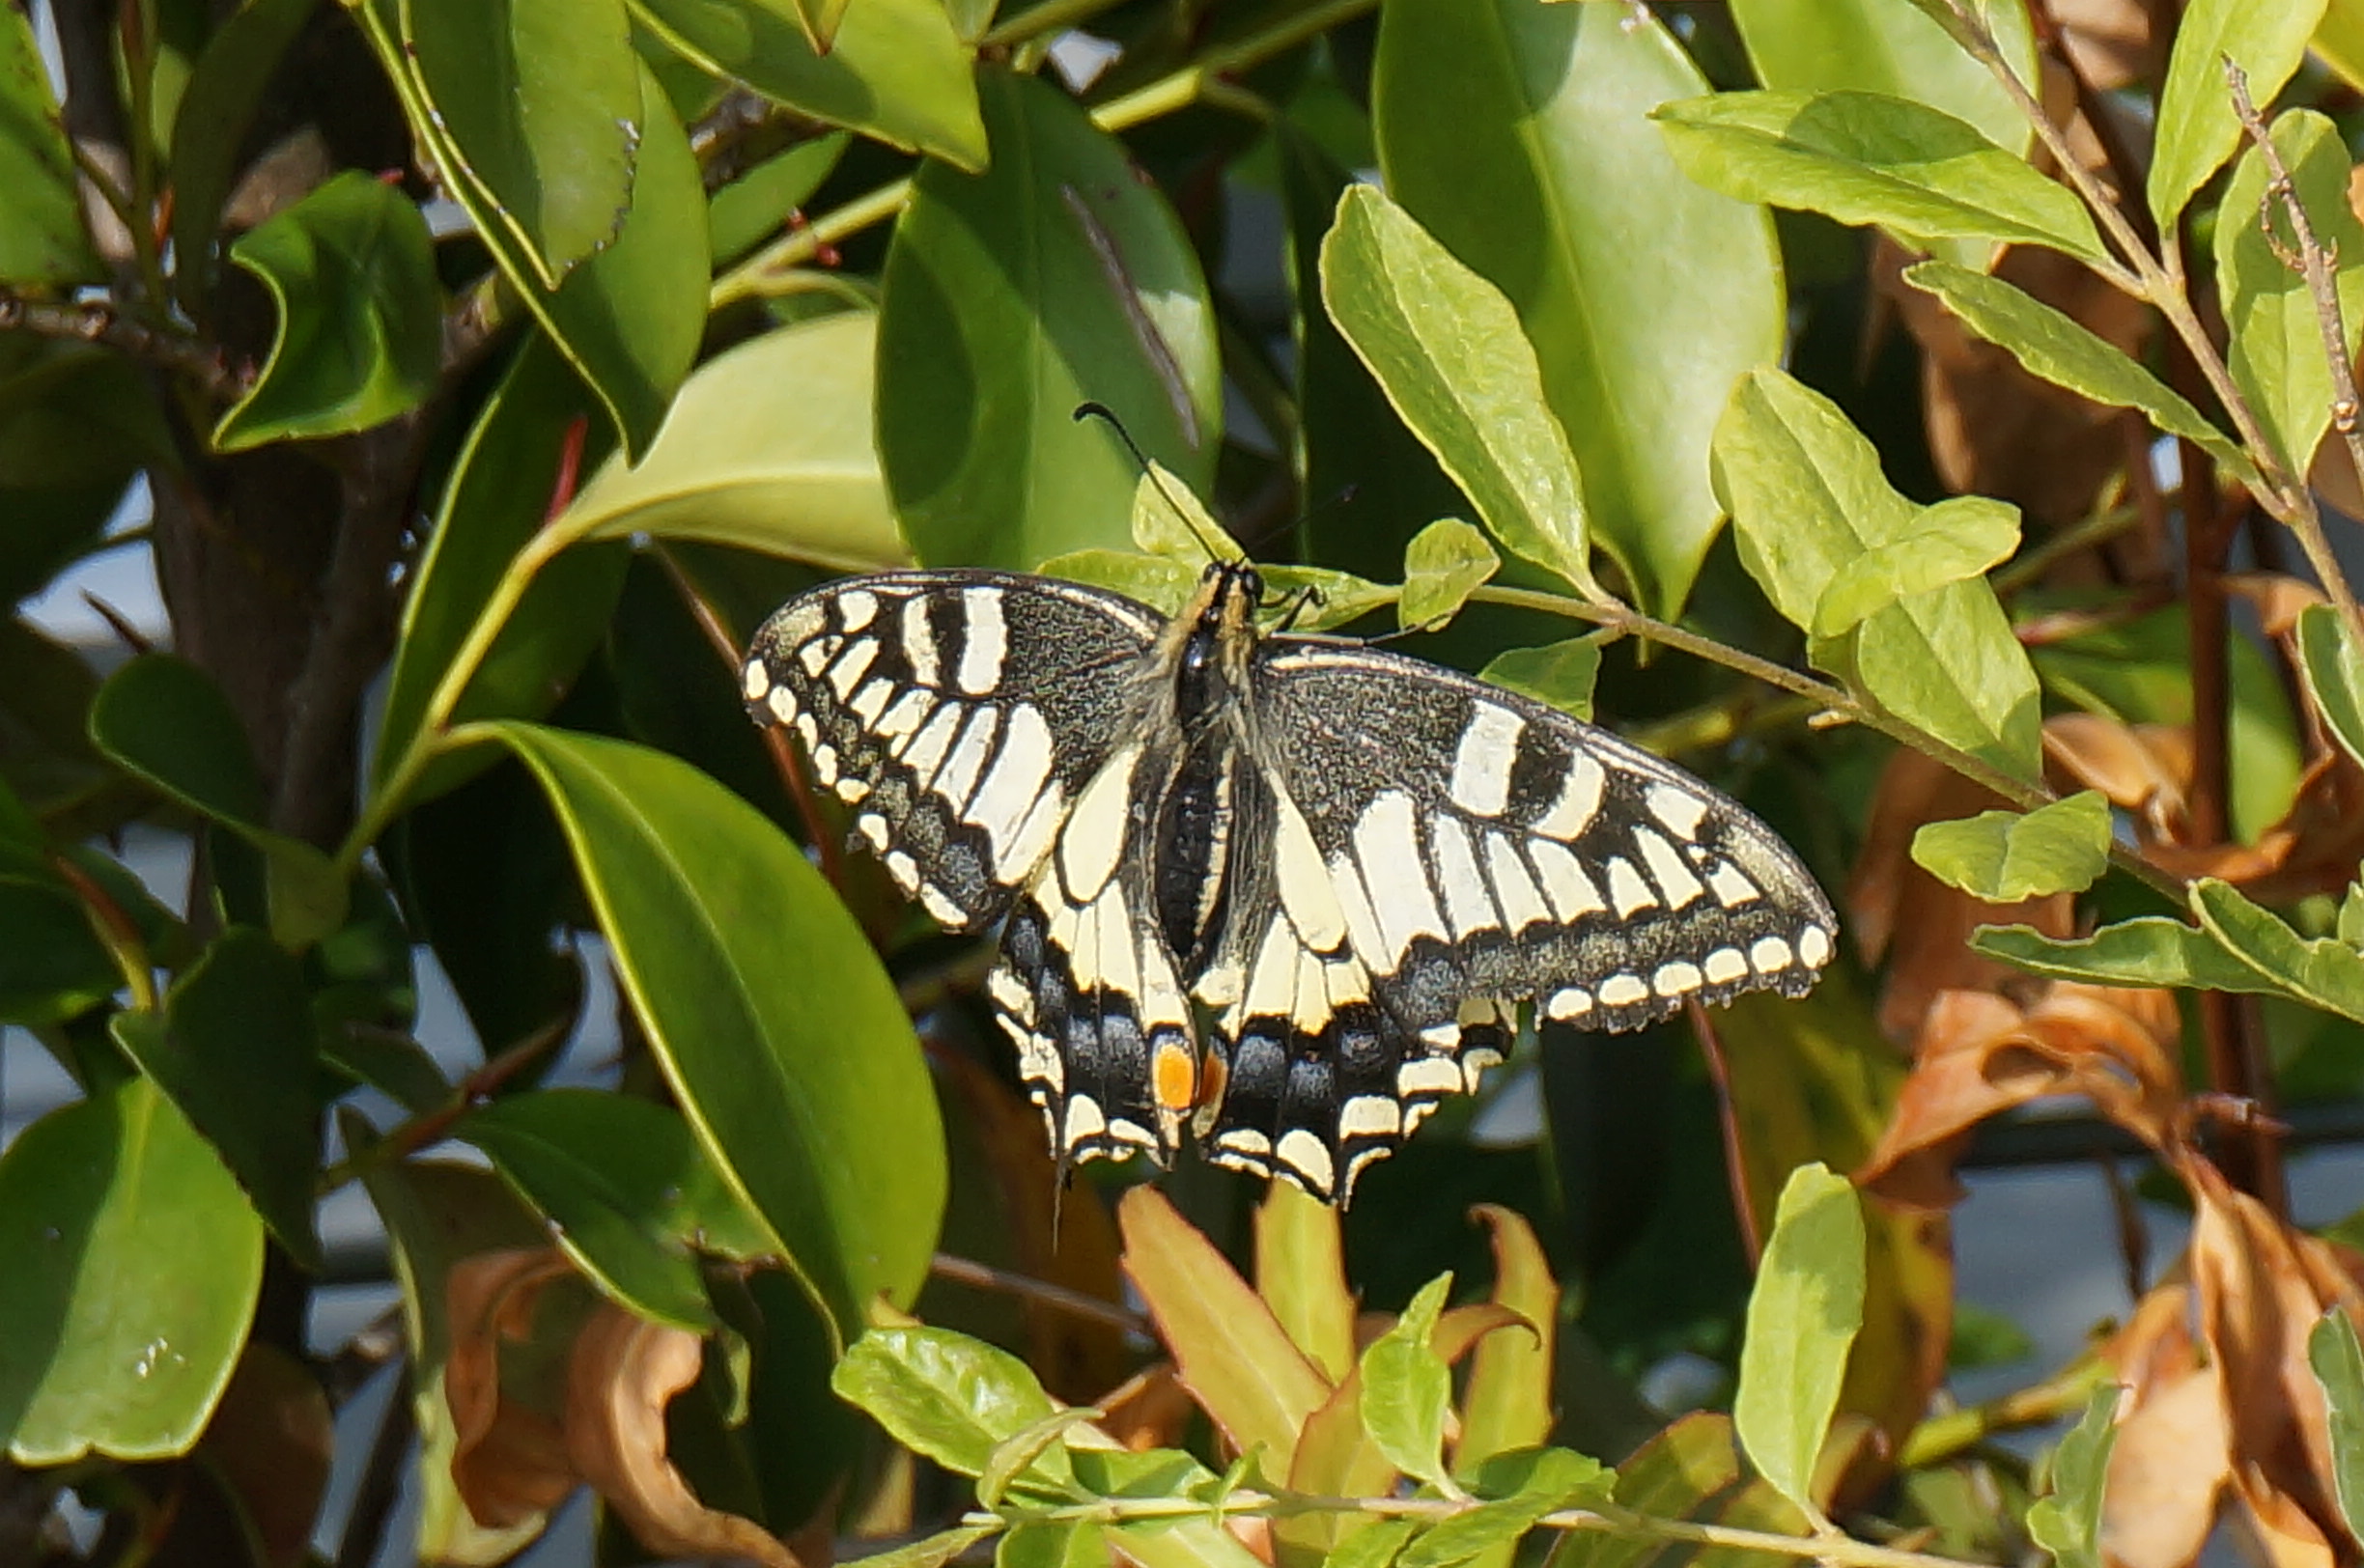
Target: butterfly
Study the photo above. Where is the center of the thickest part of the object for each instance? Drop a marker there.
(1287, 891)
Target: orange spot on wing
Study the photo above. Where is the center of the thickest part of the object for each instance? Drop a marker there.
(1174, 1076)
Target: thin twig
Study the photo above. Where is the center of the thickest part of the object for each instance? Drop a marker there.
(2315, 263)
(1042, 1292)
(204, 364)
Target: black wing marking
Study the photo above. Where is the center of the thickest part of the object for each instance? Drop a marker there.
(960, 712)
(1482, 847)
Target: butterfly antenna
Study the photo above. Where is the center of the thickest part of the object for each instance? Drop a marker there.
(1102, 412)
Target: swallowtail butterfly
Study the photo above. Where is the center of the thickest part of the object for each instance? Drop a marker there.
(1352, 865)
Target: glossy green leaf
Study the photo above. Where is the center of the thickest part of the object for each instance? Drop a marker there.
(1803, 1316)
(234, 1051)
(1507, 128)
(1168, 519)
(1159, 581)
(1870, 158)
(800, 1074)
(1376, 1545)
(360, 336)
(2338, 1363)
(762, 201)
(2004, 856)
(1870, 46)
(1300, 1273)
(1443, 565)
(129, 1263)
(1559, 673)
(2334, 669)
(627, 1191)
(217, 110)
(2324, 972)
(1025, 1449)
(1523, 1487)
(2150, 951)
(2066, 1520)
(52, 966)
(768, 448)
(896, 70)
(2049, 343)
(41, 237)
(2276, 349)
(541, 99)
(1184, 1543)
(437, 1215)
(1957, 539)
(1448, 350)
(1238, 1360)
(1808, 500)
(951, 1398)
(1407, 1389)
(1057, 277)
(502, 486)
(163, 720)
(1057, 1544)
(2197, 128)
(630, 316)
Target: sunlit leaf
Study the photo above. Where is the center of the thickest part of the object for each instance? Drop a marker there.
(1802, 1320)
(2324, 972)
(1955, 540)
(2338, 1365)
(2005, 856)
(2067, 1521)
(1450, 351)
(1407, 1389)
(2197, 128)
(2151, 950)
(1869, 158)
(952, 1398)
(1300, 1273)
(1523, 1487)
(1444, 562)
(1559, 673)
(2333, 668)
(1507, 1405)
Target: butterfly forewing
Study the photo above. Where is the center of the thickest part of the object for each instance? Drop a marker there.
(1295, 886)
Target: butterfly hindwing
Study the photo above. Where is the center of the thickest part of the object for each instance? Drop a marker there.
(959, 713)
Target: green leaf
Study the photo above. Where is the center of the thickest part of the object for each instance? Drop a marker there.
(2351, 917)
(1168, 519)
(1407, 1389)
(41, 238)
(1336, 598)
(2004, 856)
(234, 1051)
(52, 966)
(1507, 128)
(627, 1191)
(1507, 1406)
(1872, 45)
(1178, 1543)
(2151, 951)
(2197, 128)
(217, 108)
(2325, 972)
(2067, 1521)
(928, 1552)
(803, 1080)
(768, 448)
(1056, 277)
(1670, 1476)
(1526, 1486)
(896, 72)
(1443, 565)
(762, 201)
(1300, 1273)
(1159, 581)
(2049, 343)
(951, 1398)
(1807, 502)
(1061, 1544)
(1377, 1545)
(360, 335)
(1955, 540)
(541, 99)
(2277, 348)
(538, 418)
(1559, 673)
(1023, 1450)
(2338, 1363)
(129, 1263)
(2334, 671)
(1802, 1319)
(1869, 158)
(163, 720)
(1448, 350)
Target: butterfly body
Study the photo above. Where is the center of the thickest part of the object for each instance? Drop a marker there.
(1287, 891)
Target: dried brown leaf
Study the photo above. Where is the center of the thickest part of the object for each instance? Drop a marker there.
(2171, 1459)
(509, 1458)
